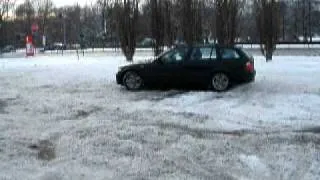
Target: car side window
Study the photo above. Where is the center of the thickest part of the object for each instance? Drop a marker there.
(174, 56)
(214, 54)
(203, 53)
(227, 53)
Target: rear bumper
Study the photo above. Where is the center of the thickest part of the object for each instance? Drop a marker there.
(251, 77)
(248, 77)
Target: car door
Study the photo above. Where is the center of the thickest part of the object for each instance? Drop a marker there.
(167, 69)
(230, 61)
(198, 68)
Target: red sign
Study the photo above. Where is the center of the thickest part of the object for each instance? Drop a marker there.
(29, 39)
(29, 46)
(34, 27)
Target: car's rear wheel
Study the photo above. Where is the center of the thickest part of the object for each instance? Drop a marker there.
(132, 81)
(220, 82)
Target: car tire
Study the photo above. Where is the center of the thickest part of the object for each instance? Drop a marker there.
(220, 82)
(132, 81)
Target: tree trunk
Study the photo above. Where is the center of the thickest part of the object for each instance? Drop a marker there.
(268, 24)
(190, 21)
(157, 26)
(1, 33)
(127, 12)
(227, 17)
(269, 51)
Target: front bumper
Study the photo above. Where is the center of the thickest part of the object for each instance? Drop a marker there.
(119, 78)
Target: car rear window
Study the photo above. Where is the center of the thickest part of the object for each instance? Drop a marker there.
(246, 52)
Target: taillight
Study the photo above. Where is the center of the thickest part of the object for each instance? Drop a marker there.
(249, 66)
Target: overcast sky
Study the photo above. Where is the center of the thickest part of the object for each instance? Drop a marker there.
(72, 2)
(59, 3)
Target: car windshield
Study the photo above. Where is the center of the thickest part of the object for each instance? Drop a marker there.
(164, 52)
(175, 55)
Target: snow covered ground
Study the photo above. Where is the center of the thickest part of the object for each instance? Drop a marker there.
(62, 118)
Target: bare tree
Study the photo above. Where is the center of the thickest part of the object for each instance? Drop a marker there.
(71, 16)
(248, 26)
(105, 8)
(208, 25)
(127, 16)
(303, 12)
(190, 20)
(228, 13)
(26, 13)
(109, 21)
(268, 25)
(103, 4)
(91, 24)
(5, 8)
(44, 8)
(306, 11)
(161, 16)
(169, 25)
(157, 25)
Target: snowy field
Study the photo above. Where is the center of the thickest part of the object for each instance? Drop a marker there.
(62, 118)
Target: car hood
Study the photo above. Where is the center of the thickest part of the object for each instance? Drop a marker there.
(139, 64)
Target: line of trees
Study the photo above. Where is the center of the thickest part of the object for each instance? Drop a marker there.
(5, 8)
(125, 23)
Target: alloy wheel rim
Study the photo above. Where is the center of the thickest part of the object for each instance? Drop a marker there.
(133, 81)
(220, 82)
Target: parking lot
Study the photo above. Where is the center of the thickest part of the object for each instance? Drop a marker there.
(66, 118)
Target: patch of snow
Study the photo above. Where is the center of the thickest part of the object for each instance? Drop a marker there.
(258, 169)
(101, 131)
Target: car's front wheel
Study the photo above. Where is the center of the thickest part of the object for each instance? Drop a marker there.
(132, 81)
(220, 82)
